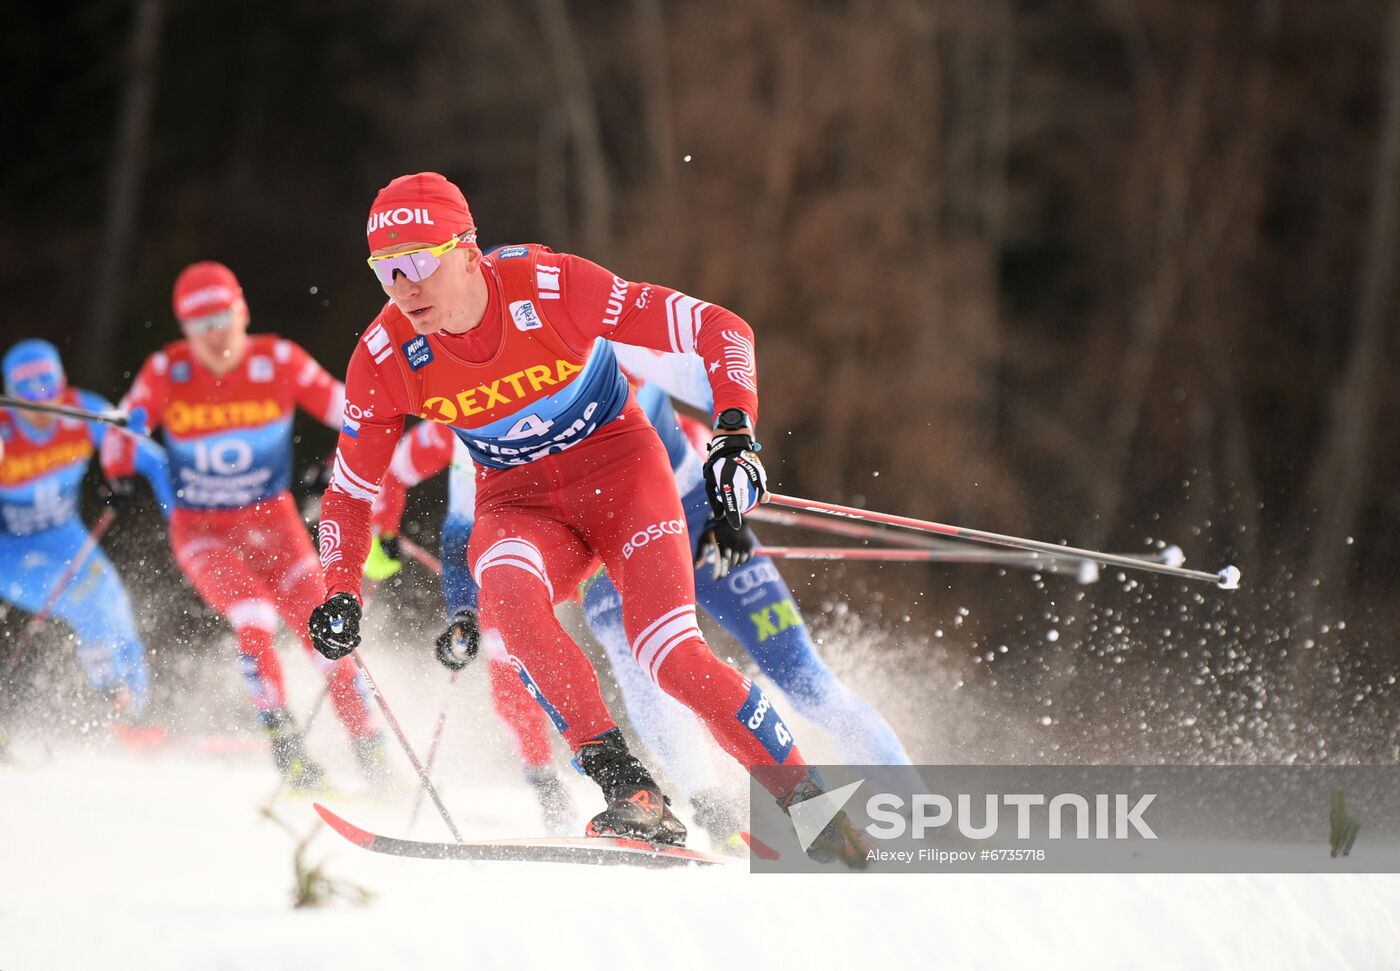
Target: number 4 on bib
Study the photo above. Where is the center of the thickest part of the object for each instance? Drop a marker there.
(531, 426)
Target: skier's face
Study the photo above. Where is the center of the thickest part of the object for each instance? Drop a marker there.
(447, 299)
(219, 339)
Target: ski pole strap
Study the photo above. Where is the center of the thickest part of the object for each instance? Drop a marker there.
(1228, 578)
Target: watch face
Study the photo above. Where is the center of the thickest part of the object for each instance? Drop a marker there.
(732, 418)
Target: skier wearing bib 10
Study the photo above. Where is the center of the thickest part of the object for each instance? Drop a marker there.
(225, 399)
(509, 352)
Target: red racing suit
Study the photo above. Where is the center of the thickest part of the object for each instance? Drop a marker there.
(235, 531)
(571, 472)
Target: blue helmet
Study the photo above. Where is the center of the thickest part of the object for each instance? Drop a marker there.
(33, 371)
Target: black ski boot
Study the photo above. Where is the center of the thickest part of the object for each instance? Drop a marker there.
(839, 840)
(636, 807)
(298, 769)
(559, 812)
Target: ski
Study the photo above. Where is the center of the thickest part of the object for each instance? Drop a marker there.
(594, 850)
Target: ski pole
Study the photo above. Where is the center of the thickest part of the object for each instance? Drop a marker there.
(1086, 569)
(39, 620)
(408, 749)
(1171, 556)
(836, 527)
(1228, 577)
(111, 416)
(315, 709)
(432, 563)
(905, 555)
(885, 554)
(433, 747)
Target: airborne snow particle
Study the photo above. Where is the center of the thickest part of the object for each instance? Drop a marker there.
(686, 159)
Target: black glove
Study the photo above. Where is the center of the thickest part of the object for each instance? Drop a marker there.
(734, 478)
(390, 546)
(335, 626)
(457, 645)
(120, 492)
(731, 547)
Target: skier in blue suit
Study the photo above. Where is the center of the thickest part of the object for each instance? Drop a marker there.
(748, 597)
(42, 532)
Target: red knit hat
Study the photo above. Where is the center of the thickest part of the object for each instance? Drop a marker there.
(423, 208)
(205, 288)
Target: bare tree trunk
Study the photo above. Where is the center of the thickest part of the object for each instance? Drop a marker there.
(1166, 265)
(552, 194)
(779, 171)
(656, 92)
(1341, 471)
(581, 111)
(127, 173)
(978, 132)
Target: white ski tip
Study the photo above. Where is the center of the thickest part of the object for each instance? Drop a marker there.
(1229, 578)
(1173, 557)
(1088, 572)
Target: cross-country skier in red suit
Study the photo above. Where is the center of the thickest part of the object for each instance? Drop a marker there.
(508, 351)
(225, 399)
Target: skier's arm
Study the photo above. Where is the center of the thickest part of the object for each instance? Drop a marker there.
(682, 376)
(599, 304)
(317, 393)
(362, 456)
(149, 461)
(459, 588)
(461, 642)
(154, 467)
(145, 404)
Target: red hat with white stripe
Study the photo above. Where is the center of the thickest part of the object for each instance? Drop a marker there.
(205, 288)
(423, 208)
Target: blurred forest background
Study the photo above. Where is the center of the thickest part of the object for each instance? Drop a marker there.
(1106, 271)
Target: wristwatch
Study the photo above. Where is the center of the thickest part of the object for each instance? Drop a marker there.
(731, 420)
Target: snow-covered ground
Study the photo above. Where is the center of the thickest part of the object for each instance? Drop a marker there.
(115, 861)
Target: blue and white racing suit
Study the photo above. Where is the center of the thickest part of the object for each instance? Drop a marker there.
(42, 533)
